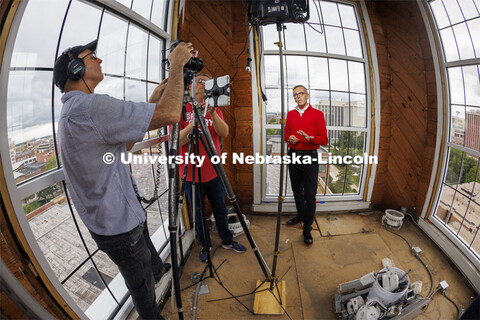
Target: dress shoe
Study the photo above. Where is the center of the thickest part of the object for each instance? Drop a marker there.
(293, 221)
(307, 238)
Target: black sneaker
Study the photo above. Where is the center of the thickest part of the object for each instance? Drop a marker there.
(293, 221)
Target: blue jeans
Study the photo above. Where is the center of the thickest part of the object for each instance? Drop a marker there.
(215, 193)
(132, 253)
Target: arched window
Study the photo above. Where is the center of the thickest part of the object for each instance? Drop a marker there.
(328, 56)
(131, 37)
(457, 211)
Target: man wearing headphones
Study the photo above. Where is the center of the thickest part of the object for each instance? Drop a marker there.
(95, 128)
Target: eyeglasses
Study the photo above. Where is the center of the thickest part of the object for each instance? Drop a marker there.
(92, 53)
(298, 95)
(201, 81)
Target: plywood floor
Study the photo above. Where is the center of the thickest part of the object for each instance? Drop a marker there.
(346, 247)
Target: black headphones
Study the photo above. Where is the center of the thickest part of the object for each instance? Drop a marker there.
(76, 66)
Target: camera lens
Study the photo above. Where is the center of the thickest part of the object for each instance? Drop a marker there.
(194, 64)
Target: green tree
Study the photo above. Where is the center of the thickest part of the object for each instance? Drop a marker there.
(51, 163)
(461, 170)
(349, 180)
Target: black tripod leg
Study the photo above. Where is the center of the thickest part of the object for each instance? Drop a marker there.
(172, 217)
(211, 151)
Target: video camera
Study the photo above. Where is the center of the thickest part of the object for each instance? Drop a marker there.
(193, 65)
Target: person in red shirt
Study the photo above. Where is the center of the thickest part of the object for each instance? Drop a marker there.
(305, 132)
(211, 186)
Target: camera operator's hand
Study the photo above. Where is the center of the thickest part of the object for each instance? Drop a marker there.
(181, 54)
(157, 93)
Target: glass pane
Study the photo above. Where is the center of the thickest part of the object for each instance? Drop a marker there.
(315, 12)
(347, 13)
(454, 167)
(457, 212)
(315, 38)
(112, 86)
(154, 59)
(270, 36)
(142, 7)
(274, 103)
(319, 73)
(356, 71)
(475, 246)
(85, 285)
(111, 44)
(457, 129)
(339, 113)
(337, 178)
(159, 12)
(294, 37)
(135, 90)
(297, 71)
(51, 221)
(335, 42)
(353, 43)
(32, 47)
(457, 93)
(474, 26)
(444, 204)
(453, 11)
(464, 41)
(468, 9)
(472, 85)
(75, 34)
(136, 61)
(470, 223)
(472, 129)
(439, 12)
(449, 44)
(330, 13)
(338, 74)
(358, 110)
(321, 100)
(272, 70)
(29, 122)
(273, 170)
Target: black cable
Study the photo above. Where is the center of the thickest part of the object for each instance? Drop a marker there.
(453, 302)
(420, 259)
(310, 25)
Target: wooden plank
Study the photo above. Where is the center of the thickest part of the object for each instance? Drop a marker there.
(415, 83)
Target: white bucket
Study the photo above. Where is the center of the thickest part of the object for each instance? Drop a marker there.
(393, 219)
(386, 297)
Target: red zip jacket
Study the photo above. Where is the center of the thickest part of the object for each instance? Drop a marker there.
(312, 122)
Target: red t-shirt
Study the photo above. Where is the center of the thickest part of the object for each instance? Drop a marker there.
(207, 171)
(312, 122)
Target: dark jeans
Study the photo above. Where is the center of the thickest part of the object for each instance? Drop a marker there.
(215, 193)
(134, 254)
(304, 181)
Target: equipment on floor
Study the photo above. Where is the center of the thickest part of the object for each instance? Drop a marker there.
(386, 294)
(393, 219)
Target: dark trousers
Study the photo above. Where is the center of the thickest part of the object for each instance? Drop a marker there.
(134, 254)
(304, 181)
(215, 193)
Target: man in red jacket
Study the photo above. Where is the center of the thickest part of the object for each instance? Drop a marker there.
(305, 132)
